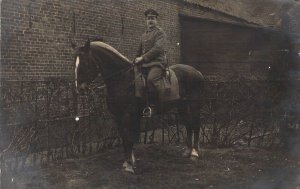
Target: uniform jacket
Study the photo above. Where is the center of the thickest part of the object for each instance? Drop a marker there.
(152, 48)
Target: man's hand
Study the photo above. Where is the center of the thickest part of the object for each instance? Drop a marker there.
(138, 60)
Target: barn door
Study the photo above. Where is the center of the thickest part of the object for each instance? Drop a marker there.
(225, 50)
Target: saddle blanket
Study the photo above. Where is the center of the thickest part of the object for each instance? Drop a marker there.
(168, 90)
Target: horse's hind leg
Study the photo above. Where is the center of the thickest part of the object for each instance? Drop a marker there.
(189, 140)
(184, 112)
(196, 131)
(190, 116)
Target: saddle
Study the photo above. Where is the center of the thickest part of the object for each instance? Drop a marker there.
(168, 90)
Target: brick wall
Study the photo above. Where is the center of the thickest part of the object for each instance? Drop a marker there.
(36, 35)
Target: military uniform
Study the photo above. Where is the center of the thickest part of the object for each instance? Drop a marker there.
(152, 49)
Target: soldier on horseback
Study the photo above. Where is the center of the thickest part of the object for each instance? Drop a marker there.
(151, 56)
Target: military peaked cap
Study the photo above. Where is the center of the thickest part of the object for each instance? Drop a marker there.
(151, 12)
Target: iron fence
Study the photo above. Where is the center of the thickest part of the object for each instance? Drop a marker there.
(46, 120)
(42, 121)
(244, 112)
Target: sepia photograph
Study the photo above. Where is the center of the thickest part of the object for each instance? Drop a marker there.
(150, 94)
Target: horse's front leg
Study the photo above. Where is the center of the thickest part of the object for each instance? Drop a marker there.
(129, 162)
(129, 131)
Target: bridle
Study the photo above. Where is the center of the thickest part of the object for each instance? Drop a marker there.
(104, 79)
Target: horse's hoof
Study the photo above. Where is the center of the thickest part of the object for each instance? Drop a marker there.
(128, 167)
(125, 164)
(186, 153)
(195, 153)
(129, 170)
(194, 158)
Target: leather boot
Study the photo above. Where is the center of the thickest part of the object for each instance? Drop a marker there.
(152, 99)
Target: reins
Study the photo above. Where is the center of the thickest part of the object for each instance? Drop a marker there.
(104, 79)
(125, 70)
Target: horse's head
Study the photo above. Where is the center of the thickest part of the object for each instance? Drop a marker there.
(85, 69)
(98, 57)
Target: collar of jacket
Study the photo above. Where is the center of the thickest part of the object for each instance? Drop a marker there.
(151, 29)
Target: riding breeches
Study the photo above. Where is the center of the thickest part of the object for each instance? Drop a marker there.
(154, 75)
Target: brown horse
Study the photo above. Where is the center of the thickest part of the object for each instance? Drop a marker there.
(117, 73)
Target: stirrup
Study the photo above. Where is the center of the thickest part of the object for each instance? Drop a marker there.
(147, 112)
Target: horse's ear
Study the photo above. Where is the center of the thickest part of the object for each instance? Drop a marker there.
(73, 45)
(99, 38)
(87, 45)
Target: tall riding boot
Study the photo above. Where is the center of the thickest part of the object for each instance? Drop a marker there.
(152, 99)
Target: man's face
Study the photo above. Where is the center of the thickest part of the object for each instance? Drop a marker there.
(151, 21)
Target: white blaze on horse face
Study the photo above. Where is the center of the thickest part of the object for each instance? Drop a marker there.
(76, 69)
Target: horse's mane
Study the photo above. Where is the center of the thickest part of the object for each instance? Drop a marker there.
(102, 45)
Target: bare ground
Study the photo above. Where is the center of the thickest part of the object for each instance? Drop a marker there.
(161, 166)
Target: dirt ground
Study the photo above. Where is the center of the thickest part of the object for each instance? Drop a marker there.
(162, 166)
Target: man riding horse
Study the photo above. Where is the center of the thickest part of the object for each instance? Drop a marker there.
(151, 56)
(118, 74)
